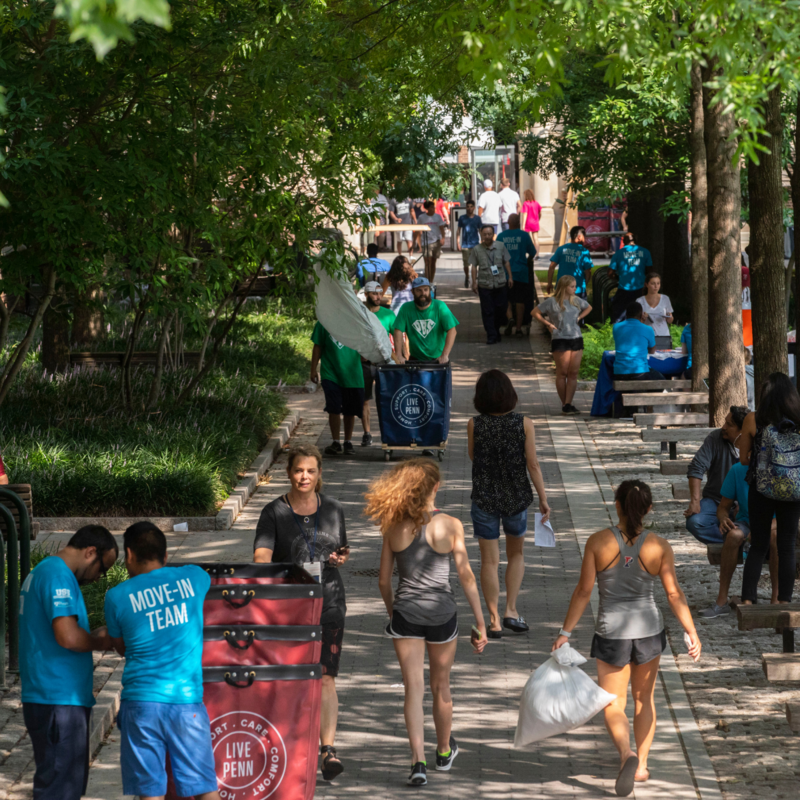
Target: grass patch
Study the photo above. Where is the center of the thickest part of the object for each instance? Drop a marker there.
(596, 340)
(85, 455)
(94, 594)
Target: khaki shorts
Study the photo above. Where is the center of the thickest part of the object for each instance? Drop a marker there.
(435, 250)
(465, 254)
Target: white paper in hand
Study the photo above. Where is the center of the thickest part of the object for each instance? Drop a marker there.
(543, 534)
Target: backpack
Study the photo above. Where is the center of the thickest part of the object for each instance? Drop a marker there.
(778, 462)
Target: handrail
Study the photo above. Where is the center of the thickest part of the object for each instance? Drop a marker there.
(19, 567)
(12, 619)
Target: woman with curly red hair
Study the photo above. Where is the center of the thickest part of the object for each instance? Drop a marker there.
(423, 610)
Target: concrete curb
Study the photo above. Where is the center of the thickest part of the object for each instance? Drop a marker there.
(106, 708)
(224, 518)
(247, 486)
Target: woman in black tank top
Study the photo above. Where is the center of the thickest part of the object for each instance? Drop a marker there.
(503, 453)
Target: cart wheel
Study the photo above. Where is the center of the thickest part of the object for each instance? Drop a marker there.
(440, 455)
(387, 455)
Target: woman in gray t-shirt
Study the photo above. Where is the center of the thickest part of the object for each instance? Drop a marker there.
(561, 315)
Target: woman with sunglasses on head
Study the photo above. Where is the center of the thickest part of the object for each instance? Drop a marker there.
(626, 560)
(422, 612)
(307, 528)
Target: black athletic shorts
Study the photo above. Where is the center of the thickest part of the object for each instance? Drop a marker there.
(342, 400)
(401, 628)
(621, 652)
(564, 345)
(369, 379)
(332, 636)
(521, 293)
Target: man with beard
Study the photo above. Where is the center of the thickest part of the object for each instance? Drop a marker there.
(429, 325)
(55, 663)
(386, 317)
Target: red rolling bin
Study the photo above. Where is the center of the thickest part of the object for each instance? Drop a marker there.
(266, 645)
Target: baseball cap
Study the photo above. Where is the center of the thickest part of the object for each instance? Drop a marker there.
(487, 184)
(373, 286)
(420, 281)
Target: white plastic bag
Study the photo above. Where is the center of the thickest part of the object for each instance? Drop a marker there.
(558, 697)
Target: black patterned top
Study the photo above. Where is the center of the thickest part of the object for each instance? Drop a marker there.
(500, 483)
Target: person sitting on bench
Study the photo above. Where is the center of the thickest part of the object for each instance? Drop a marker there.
(715, 457)
(736, 532)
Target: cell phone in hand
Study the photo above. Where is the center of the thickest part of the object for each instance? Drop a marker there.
(475, 637)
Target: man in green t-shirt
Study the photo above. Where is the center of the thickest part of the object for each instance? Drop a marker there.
(343, 384)
(429, 325)
(373, 292)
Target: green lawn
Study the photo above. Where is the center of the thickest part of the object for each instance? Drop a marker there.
(85, 455)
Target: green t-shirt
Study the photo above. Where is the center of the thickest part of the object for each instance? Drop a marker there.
(340, 364)
(386, 317)
(426, 328)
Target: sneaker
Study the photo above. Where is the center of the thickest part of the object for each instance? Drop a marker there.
(366, 439)
(429, 453)
(715, 611)
(333, 449)
(564, 410)
(349, 450)
(419, 775)
(572, 409)
(443, 763)
(509, 327)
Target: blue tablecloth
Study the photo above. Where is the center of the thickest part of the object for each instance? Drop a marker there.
(669, 363)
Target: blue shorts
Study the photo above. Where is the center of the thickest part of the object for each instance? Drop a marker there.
(149, 732)
(487, 526)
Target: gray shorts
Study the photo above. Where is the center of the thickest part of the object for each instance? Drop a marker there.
(621, 652)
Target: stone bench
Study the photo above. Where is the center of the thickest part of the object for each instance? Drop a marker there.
(793, 716)
(676, 467)
(665, 399)
(675, 435)
(714, 554)
(783, 666)
(651, 386)
(674, 420)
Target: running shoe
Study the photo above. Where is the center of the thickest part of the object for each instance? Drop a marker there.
(366, 439)
(349, 450)
(443, 763)
(565, 409)
(572, 409)
(333, 449)
(419, 775)
(715, 611)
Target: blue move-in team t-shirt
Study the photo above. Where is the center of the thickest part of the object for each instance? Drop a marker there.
(632, 339)
(367, 267)
(470, 231)
(686, 338)
(51, 674)
(160, 617)
(631, 263)
(573, 259)
(519, 246)
(735, 487)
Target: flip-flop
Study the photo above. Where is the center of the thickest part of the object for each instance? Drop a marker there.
(624, 784)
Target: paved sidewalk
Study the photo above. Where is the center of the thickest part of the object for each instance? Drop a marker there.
(372, 739)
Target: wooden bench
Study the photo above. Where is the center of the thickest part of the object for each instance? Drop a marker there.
(676, 467)
(665, 399)
(24, 492)
(675, 435)
(777, 666)
(654, 386)
(675, 420)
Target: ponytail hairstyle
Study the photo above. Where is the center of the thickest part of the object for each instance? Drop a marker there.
(636, 500)
(305, 451)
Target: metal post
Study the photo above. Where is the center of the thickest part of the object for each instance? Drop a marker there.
(13, 597)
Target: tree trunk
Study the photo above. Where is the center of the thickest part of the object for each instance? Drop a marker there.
(767, 270)
(88, 321)
(6, 312)
(14, 364)
(725, 359)
(55, 335)
(155, 386)
(796, 211)
(699, 284)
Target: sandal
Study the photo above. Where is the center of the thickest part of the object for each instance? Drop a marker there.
(331, 766)
(624, 784)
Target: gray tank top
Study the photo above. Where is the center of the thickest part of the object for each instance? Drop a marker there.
(424, 595)
(628, 607)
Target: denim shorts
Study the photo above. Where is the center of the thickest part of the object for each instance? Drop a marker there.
(487, 526)
(150, 731)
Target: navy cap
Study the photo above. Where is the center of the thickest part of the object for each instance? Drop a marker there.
(420, 281)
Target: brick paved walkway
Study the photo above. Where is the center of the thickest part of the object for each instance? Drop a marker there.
(372, 740)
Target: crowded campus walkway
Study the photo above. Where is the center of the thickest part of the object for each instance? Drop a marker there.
(371, 740)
